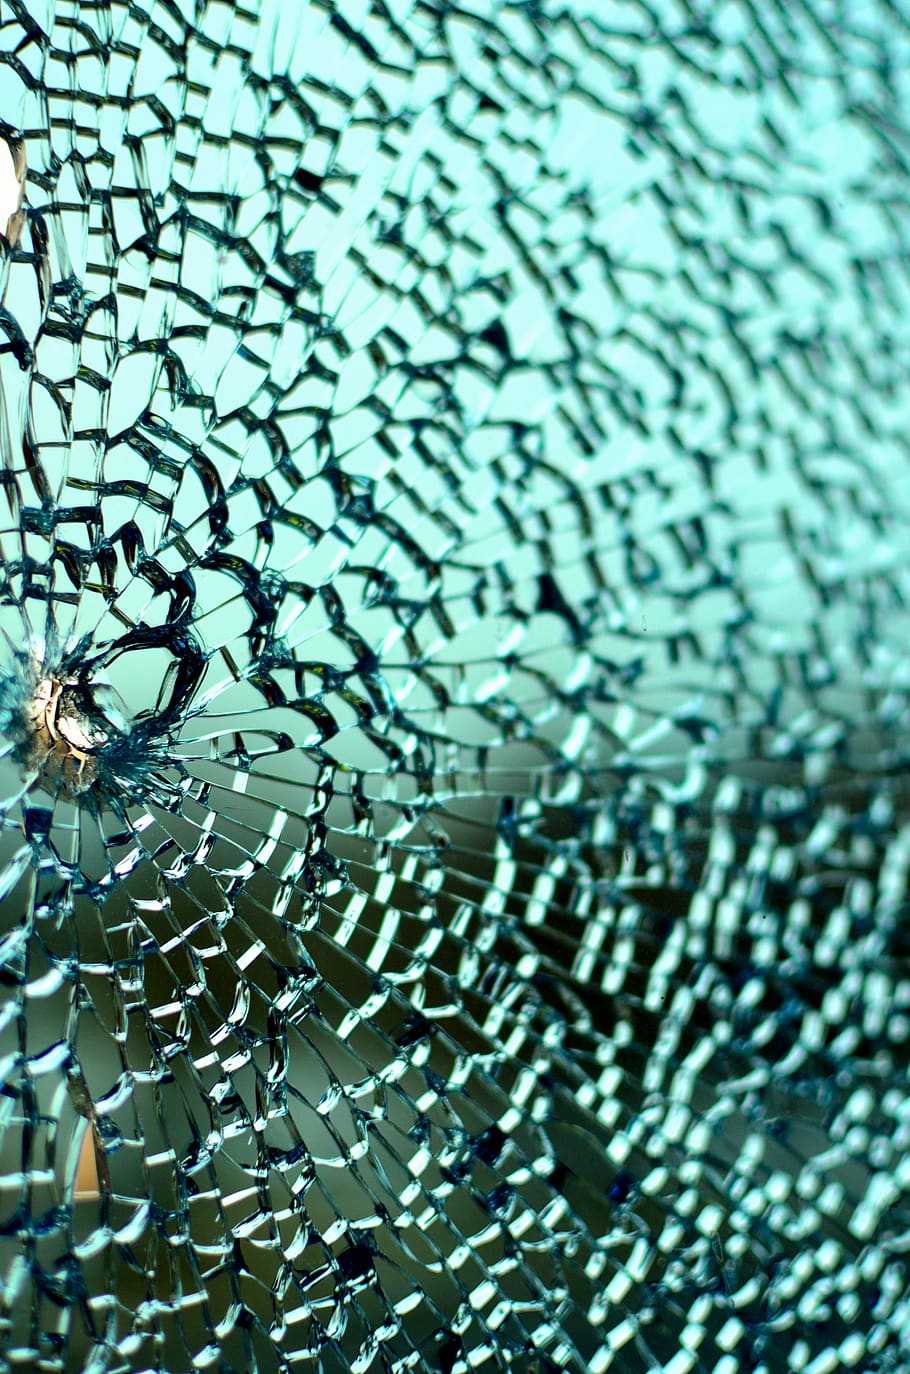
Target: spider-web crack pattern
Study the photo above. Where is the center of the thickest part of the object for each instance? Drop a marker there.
(454, 686)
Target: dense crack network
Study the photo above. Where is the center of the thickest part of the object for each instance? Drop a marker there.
(454, 686)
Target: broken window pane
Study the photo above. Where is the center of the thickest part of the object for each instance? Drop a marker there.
(453, 686)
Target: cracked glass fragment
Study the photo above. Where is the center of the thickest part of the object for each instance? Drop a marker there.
(454, 828)
(12, 183)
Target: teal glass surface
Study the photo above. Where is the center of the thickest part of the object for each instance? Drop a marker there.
(454, 686)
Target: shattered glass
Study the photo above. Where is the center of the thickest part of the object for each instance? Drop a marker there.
(454, 832)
